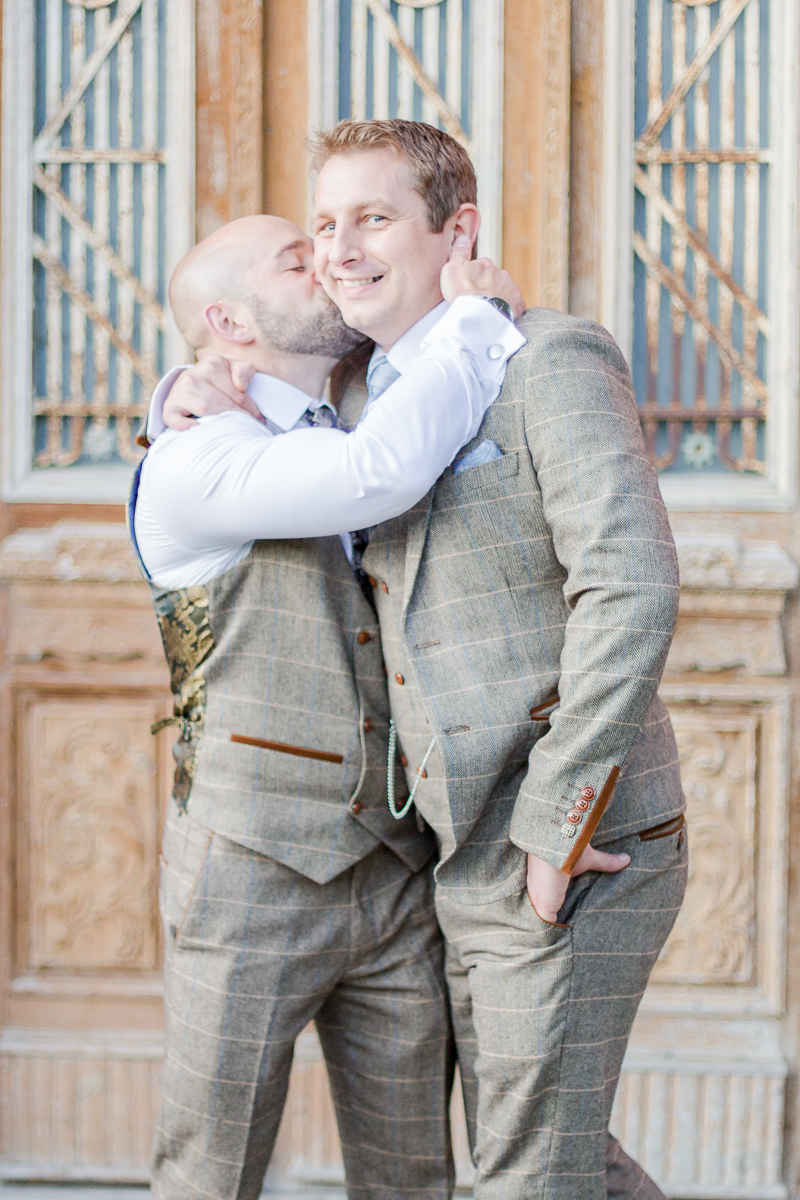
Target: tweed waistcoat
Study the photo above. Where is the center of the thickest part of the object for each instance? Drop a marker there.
(283, 648)
(535, 597)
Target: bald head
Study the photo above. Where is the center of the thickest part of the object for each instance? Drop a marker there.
(218, 269)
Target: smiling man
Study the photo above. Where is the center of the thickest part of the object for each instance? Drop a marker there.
(526, 607)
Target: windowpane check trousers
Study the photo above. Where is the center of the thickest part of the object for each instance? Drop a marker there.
(254, 952)
(542, 1016)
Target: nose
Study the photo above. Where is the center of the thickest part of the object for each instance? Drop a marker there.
(343, 248)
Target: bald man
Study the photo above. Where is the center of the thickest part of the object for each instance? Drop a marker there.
(290, 891)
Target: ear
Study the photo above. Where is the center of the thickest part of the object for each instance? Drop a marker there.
(465, 222)
(229, 322)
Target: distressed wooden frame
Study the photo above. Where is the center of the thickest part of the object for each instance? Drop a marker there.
(20, 480)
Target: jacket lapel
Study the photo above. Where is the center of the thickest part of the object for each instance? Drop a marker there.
(417, 522)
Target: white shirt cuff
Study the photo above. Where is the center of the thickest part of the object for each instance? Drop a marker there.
(484, 330)
(155, 419)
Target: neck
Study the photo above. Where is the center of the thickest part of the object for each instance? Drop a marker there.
(307, 372)
(386, 339)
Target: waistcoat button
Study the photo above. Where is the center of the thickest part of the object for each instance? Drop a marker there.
(355, 807)
(367, 725)
(399, 679)
(385, 587)
(373, 581)
(404, 760)
(364, 637)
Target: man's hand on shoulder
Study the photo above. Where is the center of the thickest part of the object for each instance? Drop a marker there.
(547, 886)
(462, 276)
(213, 385)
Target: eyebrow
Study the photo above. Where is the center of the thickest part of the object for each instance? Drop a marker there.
(297, 244)
(366, 206)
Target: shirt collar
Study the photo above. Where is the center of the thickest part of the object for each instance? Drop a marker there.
(281, 402)
(407, 347)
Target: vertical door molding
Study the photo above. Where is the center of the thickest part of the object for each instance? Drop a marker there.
(536, 149)
(229, 111)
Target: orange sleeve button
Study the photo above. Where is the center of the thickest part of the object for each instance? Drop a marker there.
(574, 817)
(582, 804)
(587, 793)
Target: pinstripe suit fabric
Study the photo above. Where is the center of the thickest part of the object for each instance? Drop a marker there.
(254, 951)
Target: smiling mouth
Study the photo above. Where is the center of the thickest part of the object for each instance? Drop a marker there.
(358, 283)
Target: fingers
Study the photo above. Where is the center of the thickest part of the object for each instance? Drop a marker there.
(208, 387)
(479, 277)
(598, 860)
(460, 250)
(547, 887)
(241, 374)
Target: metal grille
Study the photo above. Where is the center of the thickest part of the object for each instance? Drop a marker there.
(438, 61)
(700, 232)
(98, 225)
(406, 60)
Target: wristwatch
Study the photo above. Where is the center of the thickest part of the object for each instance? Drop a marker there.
(502, 306)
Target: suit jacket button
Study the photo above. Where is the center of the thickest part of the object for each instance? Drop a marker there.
(373, 581)
(404, 760)
(355, 807)
(574, 817)
(364, 637)
(399, 679)
(385, 587)
(587, 793)
(367, 724)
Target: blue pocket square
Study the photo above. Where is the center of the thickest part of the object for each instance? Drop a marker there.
(485, 453)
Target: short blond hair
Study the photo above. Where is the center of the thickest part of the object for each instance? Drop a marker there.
(443, 174)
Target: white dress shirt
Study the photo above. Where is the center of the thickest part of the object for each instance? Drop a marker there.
(207, 494)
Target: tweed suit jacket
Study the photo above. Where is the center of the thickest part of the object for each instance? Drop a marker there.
(540, 592)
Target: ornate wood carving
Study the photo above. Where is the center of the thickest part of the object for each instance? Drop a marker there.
(91, 820)
(712, 941)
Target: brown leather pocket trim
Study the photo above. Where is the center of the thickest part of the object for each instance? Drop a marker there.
(662, 831)
(552, 924)
(283, 748)
(538, 712)
(592, 821)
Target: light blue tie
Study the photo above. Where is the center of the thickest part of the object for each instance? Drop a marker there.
(380, 376)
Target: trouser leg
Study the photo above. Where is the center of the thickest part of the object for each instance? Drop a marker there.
(252, 950)
(386, 1035)
(625, 1178)
(552, 1010)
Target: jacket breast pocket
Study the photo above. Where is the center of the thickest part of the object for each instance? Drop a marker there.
(492, 477)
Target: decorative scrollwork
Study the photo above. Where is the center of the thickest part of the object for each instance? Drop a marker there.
(712, 938)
